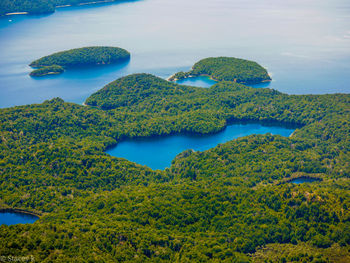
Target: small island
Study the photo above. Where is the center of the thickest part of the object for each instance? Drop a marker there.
(87, 56)
(18, 7)
(226, 69)
(47, 70)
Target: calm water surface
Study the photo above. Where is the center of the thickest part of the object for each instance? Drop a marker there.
(304, 44)
(304, 180)
(11, 218)
(158, 152)
(201, 81)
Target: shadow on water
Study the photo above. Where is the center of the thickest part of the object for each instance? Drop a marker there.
(261, 85)
(87, 72)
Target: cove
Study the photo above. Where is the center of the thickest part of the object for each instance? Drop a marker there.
(302, 180)
(207, 82)
(13, 218)
(201, 81)
(158, 152)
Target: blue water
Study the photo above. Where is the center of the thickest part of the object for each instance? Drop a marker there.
(11, 218)
(202, 81)
(304, 180)
(305, 45)
(158, 152)
(206, 82)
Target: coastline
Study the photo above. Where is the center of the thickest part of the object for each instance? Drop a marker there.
(16, 13)
(171, 78)
(18, 210)
(61, 6)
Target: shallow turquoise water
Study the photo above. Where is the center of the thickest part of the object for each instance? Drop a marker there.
(202, 81)
(158, 152)
(11, 218)
(305, 45)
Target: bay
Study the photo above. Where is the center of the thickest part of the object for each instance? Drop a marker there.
(305, 45)
(158, 152)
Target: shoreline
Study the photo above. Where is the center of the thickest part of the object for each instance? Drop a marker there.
(172, 79)
(18, 210)
(60, 6)
(16, 13)
(317, 177)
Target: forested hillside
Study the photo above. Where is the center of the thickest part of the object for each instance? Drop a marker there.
(228, 204)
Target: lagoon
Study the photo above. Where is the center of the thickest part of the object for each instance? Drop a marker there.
(13, 218)
(303, 44)
(158, 152)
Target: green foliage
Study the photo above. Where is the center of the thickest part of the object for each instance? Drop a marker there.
(47, 70)
(30, 6)
(37, 6)
(84, 57)
(229, 69)
(222, 205)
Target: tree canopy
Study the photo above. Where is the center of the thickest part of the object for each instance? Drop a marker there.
(228, 204)
(38, 6)
(228, 69)
(84, 56)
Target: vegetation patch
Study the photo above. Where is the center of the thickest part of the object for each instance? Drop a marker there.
(40, 6)
(213, 206)
(47, 70)
(86, 56)
(228, 69)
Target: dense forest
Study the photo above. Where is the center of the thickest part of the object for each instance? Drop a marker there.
(228, 204)
(228, 69)
(84, 56)
(39, 6)
(47, 70)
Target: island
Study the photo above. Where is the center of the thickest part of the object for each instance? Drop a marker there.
(35, 7)
(231, 203)
(79, 57)
(228, 69)
(47, 70)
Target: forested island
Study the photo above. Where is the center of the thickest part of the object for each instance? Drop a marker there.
(47, 70)
(232, 203)
(40, 6)
(78, 57)
(228, 69)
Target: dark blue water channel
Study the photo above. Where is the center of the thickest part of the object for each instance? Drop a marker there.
(158, 152)
(13, 218)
